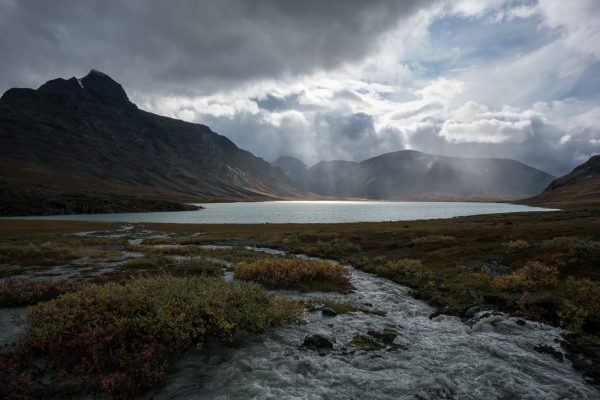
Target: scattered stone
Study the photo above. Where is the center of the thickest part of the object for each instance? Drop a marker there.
(319, 341)
(544, 348)
(328, 312)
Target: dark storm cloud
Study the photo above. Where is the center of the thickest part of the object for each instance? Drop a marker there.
(357, 126)
(272, 102)
(187, 46)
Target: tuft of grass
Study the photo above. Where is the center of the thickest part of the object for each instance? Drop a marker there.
(329, 246)
(297, 274)
(147, 262)
(25, 292)
(120, 339)
(433, 239)
(516, 244)
(196, 266)
(55, 252)
(410, 268)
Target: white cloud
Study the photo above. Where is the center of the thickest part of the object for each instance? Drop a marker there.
(474, 123)
(416, 93)
(579, 20)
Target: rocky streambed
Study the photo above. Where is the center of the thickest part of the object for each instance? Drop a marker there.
(399, 353)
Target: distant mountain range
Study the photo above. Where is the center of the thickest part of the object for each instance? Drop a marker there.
(580, 186)
(413, 175)
(84, 139)
(80, 145)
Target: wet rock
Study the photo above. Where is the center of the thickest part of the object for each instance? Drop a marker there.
(328, 312)
(544, 348)
(368, 304)
(319, 341)
(584, 353)
(376, 340)
(471, 312)
(521, 322)
(387, 336)
(366, 343)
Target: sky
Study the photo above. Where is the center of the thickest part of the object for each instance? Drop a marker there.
(337, 79)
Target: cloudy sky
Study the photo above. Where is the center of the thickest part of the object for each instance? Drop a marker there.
(343, 79)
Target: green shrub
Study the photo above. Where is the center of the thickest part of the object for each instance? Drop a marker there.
(121, 339)
(295, 273)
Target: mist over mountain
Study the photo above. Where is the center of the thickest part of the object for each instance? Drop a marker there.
(413, 175)
(85, 136)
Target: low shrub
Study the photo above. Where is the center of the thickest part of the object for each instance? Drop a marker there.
(25, 291)
(573, 245)
(516, 244)
(121, 339)
(582, 303)
(195, 266)
(296, 273)
(411, 268)
(533, 276)
(53, 252)
(147, 262)
(433, 239)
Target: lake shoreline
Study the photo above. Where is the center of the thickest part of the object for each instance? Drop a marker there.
(304, 211)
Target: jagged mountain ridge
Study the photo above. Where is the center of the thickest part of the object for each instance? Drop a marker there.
(86, 136)
(413, 175)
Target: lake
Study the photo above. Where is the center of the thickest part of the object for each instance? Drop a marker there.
(306, 212)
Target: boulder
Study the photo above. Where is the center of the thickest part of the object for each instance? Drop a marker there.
(329, 312)
(319, 341)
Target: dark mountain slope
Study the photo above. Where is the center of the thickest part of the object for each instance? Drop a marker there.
(580, 186)
(412, 175)
(85, 136)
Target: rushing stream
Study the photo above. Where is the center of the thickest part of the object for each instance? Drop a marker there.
(440, 358)
(491, 356)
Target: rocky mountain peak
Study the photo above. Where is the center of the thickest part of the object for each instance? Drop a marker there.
(104, 88)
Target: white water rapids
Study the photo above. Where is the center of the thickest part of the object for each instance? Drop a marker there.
(491, 357)
(445, 358)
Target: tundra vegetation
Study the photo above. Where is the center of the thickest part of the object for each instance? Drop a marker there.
(120, 339)
(295, 273)
(544, 266)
